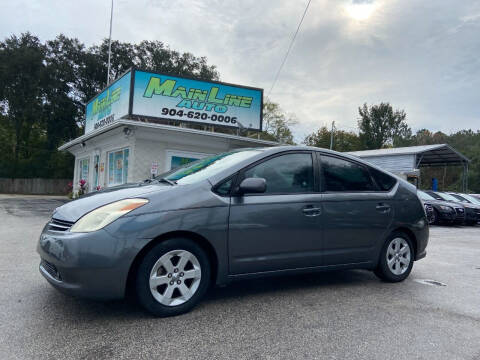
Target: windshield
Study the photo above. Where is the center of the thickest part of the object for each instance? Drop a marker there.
(424, 196)
(449, 197)
(207, 167)
(435, 195)
(459, 198)
(471, 199)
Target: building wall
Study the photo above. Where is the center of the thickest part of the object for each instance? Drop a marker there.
(393, 163)
(101, 145)
(147, 145)
(159, 147)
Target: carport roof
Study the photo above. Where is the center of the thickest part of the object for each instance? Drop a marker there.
(426, 155)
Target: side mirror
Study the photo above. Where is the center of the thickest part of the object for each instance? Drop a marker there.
(252, 186)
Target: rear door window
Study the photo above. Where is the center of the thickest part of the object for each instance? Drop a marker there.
(343, 175)
(384, 181)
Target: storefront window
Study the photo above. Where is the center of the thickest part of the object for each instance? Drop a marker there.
(178, 161)
(83, 169)
(118, 167)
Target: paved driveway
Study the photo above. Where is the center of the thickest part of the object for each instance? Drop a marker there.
(341, 315)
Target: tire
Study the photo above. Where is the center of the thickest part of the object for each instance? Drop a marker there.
(398, 270)
(181, 269)
(436, 218)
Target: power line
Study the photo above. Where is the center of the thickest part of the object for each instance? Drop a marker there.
(289, 48)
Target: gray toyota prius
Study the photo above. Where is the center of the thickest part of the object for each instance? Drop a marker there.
(241, 214)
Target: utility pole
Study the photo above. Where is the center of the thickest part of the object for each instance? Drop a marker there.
(331, 135)
(110, 45)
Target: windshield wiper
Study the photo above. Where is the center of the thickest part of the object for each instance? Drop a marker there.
(167, 181)
(155, 180)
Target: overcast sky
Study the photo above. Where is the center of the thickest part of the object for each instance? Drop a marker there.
(421, 56)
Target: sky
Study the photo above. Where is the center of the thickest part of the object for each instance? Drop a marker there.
(421, 56)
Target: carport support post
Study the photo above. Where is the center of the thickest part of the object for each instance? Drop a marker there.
(465, 177)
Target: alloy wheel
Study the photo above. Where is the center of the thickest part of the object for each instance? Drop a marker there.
(398, 256)
(175, 277)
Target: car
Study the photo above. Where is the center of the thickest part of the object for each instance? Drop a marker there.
(470, 210)
(472, 205)
(427, 204)
(439, 211)
(242, 214)
(460, 211)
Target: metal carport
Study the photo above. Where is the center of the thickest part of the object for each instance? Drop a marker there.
(405, 159)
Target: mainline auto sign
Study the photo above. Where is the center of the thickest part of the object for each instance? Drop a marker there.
(110, 105)
(168, 97)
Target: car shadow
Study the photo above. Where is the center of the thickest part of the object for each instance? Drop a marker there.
(289, 283)
(77, 309)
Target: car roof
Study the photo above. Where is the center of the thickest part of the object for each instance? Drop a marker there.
(267, 151)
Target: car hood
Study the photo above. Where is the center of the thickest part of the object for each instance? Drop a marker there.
(444, 203)
(74, 210)
(471, 206)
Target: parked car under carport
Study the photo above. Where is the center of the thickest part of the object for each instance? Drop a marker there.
(441, 212)
(471, 201)
(471, 211)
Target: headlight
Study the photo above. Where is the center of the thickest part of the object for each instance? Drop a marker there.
(101, 217)
(446, 208)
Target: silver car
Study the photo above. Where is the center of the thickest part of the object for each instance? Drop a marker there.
(237, 215)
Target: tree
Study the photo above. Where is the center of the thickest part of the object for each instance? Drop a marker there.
(44, 89)
(342, 140)
(380, 126)
(276, 124)
(21, 74)
(147, 55)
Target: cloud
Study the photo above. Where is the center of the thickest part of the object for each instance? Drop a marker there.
(419, 56)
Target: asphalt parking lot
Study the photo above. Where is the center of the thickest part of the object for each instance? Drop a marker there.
(340, 315)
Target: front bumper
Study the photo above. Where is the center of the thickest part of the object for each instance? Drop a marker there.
(92, 265)
(447, 215)
(472, 215)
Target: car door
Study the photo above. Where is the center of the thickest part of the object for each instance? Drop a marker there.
(281, 228)
(356, 211)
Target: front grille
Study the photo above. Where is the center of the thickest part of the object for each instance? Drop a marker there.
(50, 269)
(59, 225)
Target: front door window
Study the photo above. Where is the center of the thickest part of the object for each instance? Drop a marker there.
(118, 167)
(83, 169)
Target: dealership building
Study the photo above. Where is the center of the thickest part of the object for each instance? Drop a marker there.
(136, 127)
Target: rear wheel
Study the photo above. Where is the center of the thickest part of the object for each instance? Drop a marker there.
(173, 277)
(396, 258)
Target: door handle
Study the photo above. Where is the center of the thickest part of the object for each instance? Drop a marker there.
(384, 208)
(312, 211)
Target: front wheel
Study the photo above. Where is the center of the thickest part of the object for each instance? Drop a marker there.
(173, 277)
(396, 258)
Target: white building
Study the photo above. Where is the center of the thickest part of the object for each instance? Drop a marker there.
(127, 133)
(125, 151)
